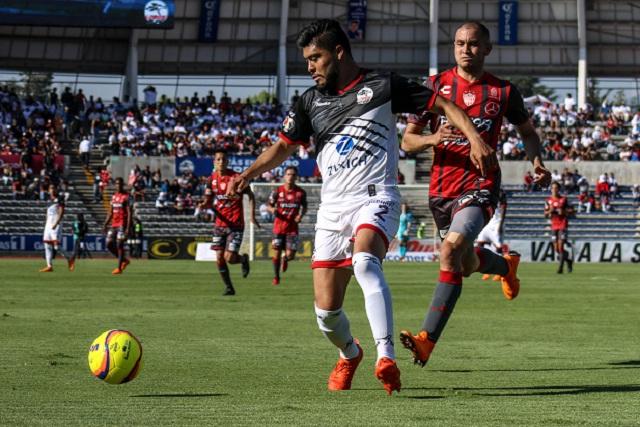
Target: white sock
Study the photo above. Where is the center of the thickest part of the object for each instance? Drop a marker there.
(377, 300)
(335, 326)
(48, 254)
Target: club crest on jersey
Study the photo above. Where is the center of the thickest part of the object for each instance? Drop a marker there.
(288, 123)
(364, 95)
(445, 90)
(493, 93)
(492, 108)
(469, 98)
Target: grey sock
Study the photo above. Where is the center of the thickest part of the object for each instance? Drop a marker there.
(442, 305)
(491, 263)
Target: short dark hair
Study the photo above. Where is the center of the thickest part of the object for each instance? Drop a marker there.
(325, 34)
(120, 179)
(484, 31)
(220, 150)
(293, 168)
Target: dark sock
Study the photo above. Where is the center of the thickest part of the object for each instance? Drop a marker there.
(444, 299)
(491, 263)
(224, 273)
(120, 256)
(569, 261)
(562, 260)
(276, 266)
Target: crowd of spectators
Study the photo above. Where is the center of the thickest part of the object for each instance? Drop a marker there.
(610, 133)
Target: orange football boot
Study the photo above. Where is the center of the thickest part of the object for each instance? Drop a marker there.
(124, 264)
(72, 264)
(343, 372)
(486, 276)
(419, 345)
(510, 282)
(497, 278)
(47, 269)
(389, 375)
(117, 271)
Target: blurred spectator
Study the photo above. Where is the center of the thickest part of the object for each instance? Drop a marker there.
(635, 193)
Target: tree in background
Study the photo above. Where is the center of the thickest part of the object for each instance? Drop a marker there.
(35, 84)
(529, 86)
(595, 95)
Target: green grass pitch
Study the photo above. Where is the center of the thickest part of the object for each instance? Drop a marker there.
(565, 352)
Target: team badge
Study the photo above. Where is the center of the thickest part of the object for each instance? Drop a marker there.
(469, 98)
(364, 95)
(288, 123)
(445, 90)
(223, 185)
(493, 93)
(492, 108)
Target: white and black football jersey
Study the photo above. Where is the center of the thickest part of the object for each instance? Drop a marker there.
(355, 130)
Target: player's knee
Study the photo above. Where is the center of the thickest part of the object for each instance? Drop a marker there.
(328, 320)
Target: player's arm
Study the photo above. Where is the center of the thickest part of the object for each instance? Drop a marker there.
(252, 205)
(413, 141)
(127, 230)
(547, 210)
(271, 203)
(267, 160)
(60, 215)
(303, 208)
(503, 211)
(108, 220)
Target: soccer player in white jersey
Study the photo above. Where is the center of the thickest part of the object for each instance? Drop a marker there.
(52, 236)
(491, 236)
(351, 115)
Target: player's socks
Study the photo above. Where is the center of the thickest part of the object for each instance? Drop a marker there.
(403, 251)
(491, 263)
(568, 260)
(285, 263)
(562, 260)
(120, 257)
(48, 253)
(444, 300)
(276, 267)
(377, 299)
(223, 269)
(334, 324)
(245, 265)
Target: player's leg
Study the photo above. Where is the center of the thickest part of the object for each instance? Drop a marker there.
(291, 246)
(219, 242)
(111, 242)
(568, 252)
(403, 247)
(232, 255)
(48, 252)
(121, 239)
(277, 244)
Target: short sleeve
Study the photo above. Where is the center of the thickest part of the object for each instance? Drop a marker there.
(516, 112)
(296, 127)
(410, 97)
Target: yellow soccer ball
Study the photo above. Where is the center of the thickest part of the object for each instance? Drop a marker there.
(115, 356)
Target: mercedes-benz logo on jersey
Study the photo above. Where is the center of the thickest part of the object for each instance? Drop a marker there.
(156, 12)
(344, 145)
(364, 95)
(186, 166)
(492, 108)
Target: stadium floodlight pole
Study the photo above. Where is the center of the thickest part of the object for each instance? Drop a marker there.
(582, 53)
(282, 53)
(131, 82)
(433, 37)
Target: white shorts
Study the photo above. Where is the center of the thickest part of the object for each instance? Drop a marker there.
(52, 234)
(337, 226)
(490, 234)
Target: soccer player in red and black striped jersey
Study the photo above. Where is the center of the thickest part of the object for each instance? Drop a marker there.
(120, 219)
(288, 203)
(558, 209)
(463, 194)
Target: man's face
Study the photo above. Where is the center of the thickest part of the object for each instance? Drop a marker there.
(119, 185)
(220, 162)
(555, 189)
(290, 177)
(470, 48)
(322, 65)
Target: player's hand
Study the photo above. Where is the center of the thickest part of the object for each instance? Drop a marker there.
(446, 133)
(237, 185)
(483, 157)
(541, 175)
(298, 218)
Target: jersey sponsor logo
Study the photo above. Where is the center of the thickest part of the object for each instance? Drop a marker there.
(321, 104)
(346, 164)
(344, 145)
(364, 95)
(468, 98)
(288, 123)
(492, 108)
(445, 90)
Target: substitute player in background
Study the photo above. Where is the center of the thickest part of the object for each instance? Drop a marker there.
(288, 204)
(52, 236)
(463, 193)
(80, 229)
(120, 219)
(351, 115)
(404, 227)
(557, 208)
(491, 236)
(228, 223)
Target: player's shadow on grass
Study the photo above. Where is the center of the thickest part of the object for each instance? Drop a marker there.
(631, 364)
(181, 395)
(626, 363)
(559, 390)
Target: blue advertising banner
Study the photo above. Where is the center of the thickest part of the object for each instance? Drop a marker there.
(508, 23)
(209, 16)
(33, 242)
(357, 19)
(203, 166)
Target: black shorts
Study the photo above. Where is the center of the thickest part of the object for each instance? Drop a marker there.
(225, 238)
(282, 241)
(117, 233)
(444, 209)
(559, 235)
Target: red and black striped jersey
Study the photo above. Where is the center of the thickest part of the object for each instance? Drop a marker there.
(486, 101)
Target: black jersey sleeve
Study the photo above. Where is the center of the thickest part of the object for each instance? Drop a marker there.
(296, 127)
(410, 97)
(516, 112)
